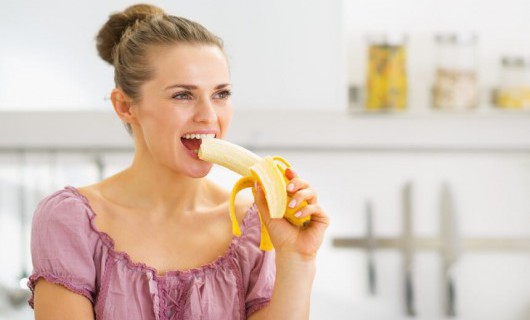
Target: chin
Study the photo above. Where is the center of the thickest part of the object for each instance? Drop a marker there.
(200, 172)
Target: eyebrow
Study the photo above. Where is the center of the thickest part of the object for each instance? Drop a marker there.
(193, 87)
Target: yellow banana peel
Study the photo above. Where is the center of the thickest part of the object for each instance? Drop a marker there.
(268, 171)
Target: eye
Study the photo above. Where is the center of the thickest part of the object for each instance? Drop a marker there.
(225, 94)
(183, 95)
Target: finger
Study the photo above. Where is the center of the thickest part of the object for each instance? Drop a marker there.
(308, 210)
(290, 173)
(319, 218)
(305, 194)
(296, 184)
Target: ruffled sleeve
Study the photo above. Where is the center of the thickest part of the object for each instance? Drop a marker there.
(257, 266)
(62, 245)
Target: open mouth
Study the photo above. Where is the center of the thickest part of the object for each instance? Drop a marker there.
(192, 141)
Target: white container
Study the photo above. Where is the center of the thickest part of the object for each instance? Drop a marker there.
(456, 77)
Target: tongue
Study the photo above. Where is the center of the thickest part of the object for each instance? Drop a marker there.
(192, 144)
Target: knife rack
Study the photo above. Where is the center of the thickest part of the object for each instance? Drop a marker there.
(408, 244)
(427, 243)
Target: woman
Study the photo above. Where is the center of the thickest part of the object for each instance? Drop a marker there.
(154, 241)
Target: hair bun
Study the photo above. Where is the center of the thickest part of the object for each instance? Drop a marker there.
(110, 34)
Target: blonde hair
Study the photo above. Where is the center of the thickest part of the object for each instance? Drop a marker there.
(125, 39)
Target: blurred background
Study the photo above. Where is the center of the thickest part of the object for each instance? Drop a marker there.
(410, 118)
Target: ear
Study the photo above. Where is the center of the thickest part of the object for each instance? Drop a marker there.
(122, 105)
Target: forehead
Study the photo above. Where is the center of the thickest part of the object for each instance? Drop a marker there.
(198, 64)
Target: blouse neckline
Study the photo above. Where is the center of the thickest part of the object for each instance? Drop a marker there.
(107, 240)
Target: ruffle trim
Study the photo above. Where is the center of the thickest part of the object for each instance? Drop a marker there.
(251, 219)
(52, 278)
(257, 307)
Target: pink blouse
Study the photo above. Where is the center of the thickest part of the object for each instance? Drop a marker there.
(67, 249)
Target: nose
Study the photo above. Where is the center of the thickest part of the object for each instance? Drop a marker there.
(205, 111)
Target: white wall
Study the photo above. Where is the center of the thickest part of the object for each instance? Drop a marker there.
(283, 54)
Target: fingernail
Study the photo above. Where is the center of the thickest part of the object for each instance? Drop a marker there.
(290, 187)
(298, 214)
(292, 204)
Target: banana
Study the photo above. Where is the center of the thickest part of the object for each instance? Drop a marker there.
(268, 171)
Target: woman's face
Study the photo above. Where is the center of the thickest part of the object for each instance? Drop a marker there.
(188, 94)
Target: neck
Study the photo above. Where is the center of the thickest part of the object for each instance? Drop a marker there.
(151, 187)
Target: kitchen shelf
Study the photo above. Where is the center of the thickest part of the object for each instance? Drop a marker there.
(407, 131)
(288, 130)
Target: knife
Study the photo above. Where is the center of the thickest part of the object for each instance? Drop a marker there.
(451, 248)
(370, 247)
(407, 247)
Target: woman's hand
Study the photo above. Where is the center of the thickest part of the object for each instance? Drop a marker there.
(288, 238)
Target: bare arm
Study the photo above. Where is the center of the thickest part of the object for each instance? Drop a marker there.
(55, 302)
(292, 290)
(296, 250)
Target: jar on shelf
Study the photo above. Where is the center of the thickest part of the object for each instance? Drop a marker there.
(386, 76)
(513, 91)
(455, 76)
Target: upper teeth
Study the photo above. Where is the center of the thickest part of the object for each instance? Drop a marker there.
(199, 136)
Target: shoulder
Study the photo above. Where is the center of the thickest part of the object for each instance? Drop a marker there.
(244, 203)
(63, 244)
(65, 209)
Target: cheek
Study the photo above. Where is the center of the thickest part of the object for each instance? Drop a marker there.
(172, 118)
(163, 124)
(225, 116)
